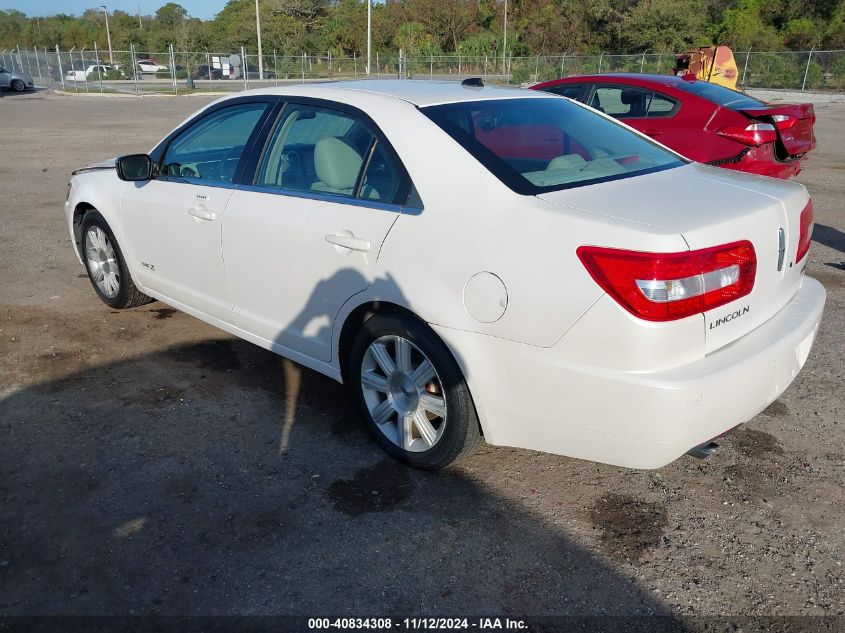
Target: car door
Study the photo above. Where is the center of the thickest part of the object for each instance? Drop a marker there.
(173, 222)
(646, 110)
(5, 78)
(305, 235)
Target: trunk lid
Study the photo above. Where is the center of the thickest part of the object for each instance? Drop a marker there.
(796, 139)
(708, 207)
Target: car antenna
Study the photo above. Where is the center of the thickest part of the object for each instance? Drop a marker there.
(473, 82)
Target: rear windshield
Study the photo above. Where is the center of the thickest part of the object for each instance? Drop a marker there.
(720, 95)
(540, 145)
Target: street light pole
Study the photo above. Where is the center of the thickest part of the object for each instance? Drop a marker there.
(369, 34)
(108, 33)
(258, 31)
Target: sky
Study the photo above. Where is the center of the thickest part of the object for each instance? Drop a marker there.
(205, 9)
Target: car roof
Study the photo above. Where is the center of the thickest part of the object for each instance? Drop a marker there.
(420, 93)
(633, 78)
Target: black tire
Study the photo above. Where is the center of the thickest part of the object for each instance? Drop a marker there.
(128, 296)
(461, 434)
(18, 85)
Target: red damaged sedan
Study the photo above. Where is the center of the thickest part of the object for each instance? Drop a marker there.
(703, 121)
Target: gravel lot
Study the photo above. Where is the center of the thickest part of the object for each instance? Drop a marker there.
(151, 464)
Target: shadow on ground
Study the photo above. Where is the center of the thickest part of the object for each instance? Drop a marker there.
(125, 490)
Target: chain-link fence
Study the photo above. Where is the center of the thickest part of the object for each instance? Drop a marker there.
(174, 71)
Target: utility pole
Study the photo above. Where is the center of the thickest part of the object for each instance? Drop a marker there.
(108, 33)
(369, 34)
(258, 31)
(140, 24)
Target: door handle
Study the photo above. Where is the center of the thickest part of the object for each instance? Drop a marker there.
(348, 240)
(652, 132)
(202, 213)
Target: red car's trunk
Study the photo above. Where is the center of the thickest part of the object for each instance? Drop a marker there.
(793, 122)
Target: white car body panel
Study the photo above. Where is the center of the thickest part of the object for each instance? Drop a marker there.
(176, 234)
(274, 232)
(564, 369)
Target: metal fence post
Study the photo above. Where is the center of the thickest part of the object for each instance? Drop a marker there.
(601, 58)
(245, 67)
(275, 69)
(807, 69)
(745, 68)
(378, 67)
(173, 70)
(61, 71)
(37, 63)
(20, 63)
(99, 70)
(84, 71)
(135, 68)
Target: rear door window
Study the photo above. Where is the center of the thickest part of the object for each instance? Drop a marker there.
(629, 102)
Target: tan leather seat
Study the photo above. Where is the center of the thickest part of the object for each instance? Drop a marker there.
(337, 165)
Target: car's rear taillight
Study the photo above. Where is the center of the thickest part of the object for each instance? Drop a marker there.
(784, 121)
(805, 236)
(670, 286)
(752, 134)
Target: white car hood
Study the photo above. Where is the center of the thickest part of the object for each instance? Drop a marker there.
(109, 163)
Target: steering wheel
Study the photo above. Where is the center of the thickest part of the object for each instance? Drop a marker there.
(188, 172)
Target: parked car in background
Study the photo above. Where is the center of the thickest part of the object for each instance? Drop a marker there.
(149, 66)
(254, 74)
(90, 72)
(18, 82)
(703, 121)
(206, 72)
(470, 260)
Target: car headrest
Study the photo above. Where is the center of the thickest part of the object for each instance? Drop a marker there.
(630, 97)
(337, 164)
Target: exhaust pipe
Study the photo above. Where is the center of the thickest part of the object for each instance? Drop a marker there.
(703, 451)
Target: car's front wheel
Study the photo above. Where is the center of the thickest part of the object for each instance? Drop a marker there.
(412, 393)
(106, 267)
(18, 85)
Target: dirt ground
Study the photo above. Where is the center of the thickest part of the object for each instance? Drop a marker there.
(151, 464)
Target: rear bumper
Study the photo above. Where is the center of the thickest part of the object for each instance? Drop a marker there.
(531, 398)
(763, 163)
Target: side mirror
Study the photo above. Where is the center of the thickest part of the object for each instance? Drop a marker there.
(134, 167)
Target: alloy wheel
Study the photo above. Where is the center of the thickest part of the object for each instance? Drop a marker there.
(403, 393)
(102, 261)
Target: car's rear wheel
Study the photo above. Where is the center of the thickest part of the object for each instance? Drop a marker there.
(412, 393)
(105, 265)
(18, 85)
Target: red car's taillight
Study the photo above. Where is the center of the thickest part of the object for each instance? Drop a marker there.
(752, 134)
(805, 236)
(670, 286)
(784, 121)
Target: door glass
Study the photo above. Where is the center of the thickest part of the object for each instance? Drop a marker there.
(381, 180)
(211, 148)
(621, 102)
(660, 106)
(316, 149)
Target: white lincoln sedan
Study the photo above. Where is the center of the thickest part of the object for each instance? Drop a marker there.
(473, 261)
